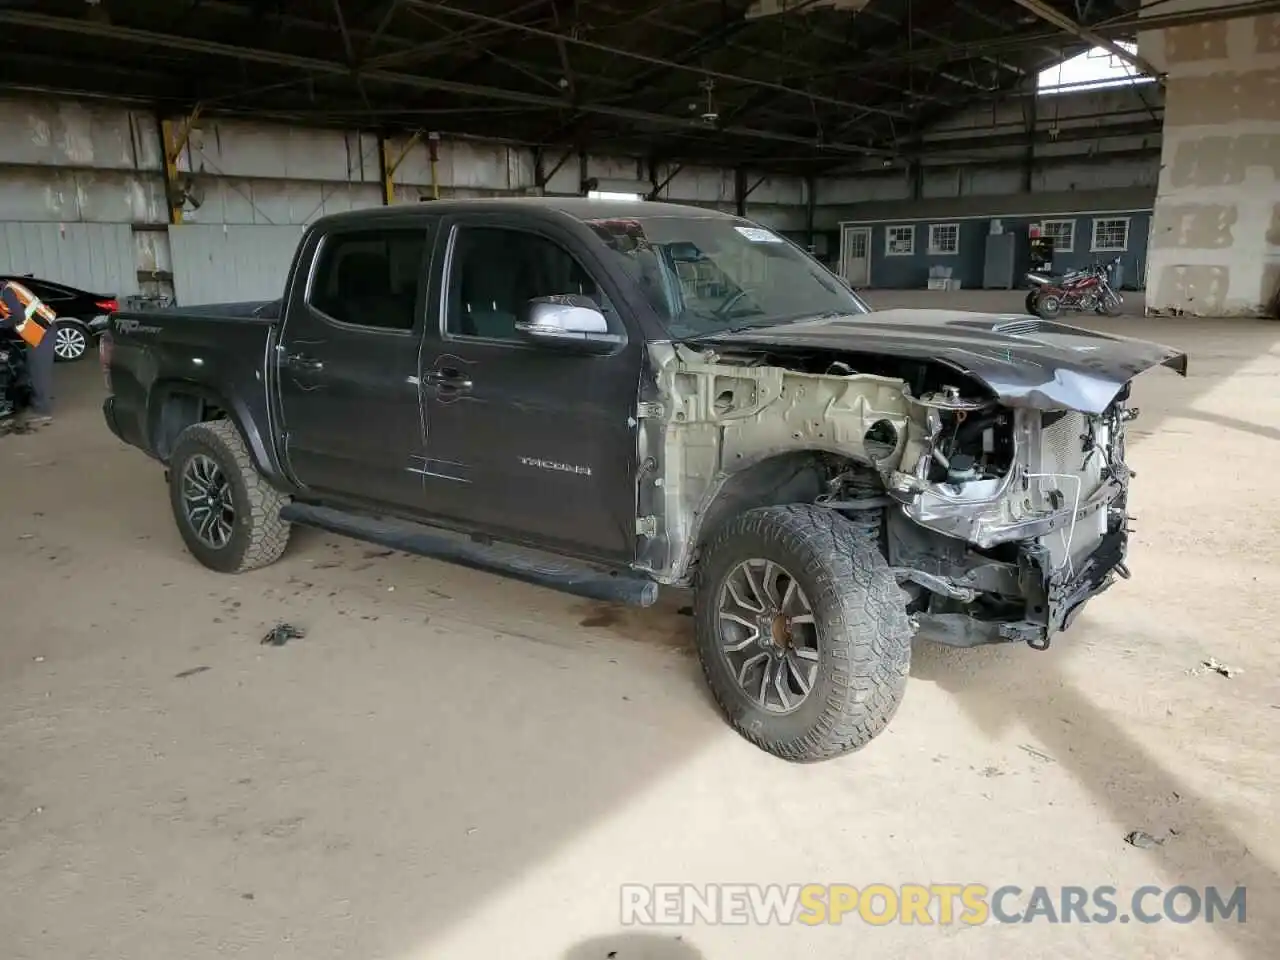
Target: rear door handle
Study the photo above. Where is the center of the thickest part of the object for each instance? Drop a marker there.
(451, 380)
(302, 362)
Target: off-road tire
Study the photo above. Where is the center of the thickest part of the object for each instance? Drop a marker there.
(259, 536)
(864, 634)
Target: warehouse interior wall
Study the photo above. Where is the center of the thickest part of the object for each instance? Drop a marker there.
(1215, 243)
(83, 195)
(1081, 143)
(1076, 155)
(99, 257)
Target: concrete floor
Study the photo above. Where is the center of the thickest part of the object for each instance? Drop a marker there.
(451, 765)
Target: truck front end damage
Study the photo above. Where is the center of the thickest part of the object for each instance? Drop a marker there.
(999, 519)
(1008, 519)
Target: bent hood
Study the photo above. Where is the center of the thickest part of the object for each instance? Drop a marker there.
(1023, 360)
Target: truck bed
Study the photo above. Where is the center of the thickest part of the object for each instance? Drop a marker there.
(166, 366)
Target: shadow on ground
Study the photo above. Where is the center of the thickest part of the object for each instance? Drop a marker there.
(998, 687)
(634, 946)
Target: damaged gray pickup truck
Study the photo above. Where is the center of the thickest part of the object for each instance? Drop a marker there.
(607, 397)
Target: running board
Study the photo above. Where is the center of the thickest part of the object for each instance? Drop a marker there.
(526, 566)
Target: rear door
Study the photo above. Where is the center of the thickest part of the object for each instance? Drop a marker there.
(347, 363)
(527, 441)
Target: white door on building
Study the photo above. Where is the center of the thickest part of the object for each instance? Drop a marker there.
(855, 260)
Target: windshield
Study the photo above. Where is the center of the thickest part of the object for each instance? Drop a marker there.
(707, 275)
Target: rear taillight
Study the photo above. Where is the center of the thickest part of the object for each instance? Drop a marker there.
(107, 306)
(105, 346)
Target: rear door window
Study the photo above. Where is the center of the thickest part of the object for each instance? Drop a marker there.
(370, 278)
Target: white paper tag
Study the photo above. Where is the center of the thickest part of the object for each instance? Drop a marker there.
(757, 235)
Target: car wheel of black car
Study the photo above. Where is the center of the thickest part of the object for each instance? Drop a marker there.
(802, 631)
(70, 340)
(228, 515)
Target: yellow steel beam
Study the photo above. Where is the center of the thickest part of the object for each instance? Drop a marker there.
(175, 138)
(390, 166)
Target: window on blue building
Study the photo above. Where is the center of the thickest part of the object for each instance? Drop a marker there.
(944, 238)
(1061, 232)
(1110, 234)
(900, 241)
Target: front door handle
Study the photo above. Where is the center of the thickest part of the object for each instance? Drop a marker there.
(302, 362)
(451, 380)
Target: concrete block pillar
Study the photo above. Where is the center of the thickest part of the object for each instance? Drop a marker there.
(1215, 235)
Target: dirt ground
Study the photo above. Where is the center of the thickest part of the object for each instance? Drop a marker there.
(451, 765)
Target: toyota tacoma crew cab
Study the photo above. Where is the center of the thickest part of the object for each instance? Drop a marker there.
(610, 397)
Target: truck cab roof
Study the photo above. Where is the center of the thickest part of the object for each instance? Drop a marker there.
(578, 208)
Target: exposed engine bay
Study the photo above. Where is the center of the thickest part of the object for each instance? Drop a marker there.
(999, 521)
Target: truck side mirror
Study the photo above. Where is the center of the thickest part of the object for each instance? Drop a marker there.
(571, 322)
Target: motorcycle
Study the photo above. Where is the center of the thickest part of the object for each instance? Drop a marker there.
(1087, 290)
(15, 385)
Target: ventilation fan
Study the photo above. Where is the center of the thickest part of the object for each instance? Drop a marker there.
(186, 193)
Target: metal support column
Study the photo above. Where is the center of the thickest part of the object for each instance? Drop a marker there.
(1029, 158)
(391, 164)
(174, 138)
(740, 192)
(810, 211)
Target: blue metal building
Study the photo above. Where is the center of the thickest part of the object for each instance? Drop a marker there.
(879, 249)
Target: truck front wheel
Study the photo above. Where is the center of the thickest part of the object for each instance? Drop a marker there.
(228, 515)
(802, 631)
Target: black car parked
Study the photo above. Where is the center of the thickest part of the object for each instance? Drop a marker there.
(82, 315)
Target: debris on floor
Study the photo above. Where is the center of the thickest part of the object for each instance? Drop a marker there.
(1145, 841)
(1038, 754)
(182, 675)
(281, 634)
(1219, 668)
(14, 425)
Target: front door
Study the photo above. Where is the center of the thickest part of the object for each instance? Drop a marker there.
(347, 365)
(526, 441)
(855, 249)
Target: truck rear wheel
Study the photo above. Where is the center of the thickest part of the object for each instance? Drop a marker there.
(228, 515)
(802, 631)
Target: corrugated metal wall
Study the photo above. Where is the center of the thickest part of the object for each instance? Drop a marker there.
(82, 194)
(98, 257)
(217, 263)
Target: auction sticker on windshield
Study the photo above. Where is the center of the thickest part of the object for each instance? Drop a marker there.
(756, 235)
